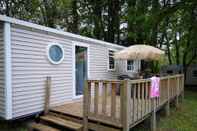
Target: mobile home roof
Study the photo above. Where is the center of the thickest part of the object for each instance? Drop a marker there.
(44, 28)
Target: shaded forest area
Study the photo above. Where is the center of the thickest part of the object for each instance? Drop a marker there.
(167, 24)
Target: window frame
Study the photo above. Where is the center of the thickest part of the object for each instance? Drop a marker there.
(194, 73)
(127, 66)
(48, 51)
(108, 63)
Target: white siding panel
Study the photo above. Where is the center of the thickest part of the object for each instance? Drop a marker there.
(30, 67)
(99, 62)
(190, 79)
(2, 90)
(122, 68)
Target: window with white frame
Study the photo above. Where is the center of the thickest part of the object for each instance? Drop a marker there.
(111, 61)
(130, 65)
(194, 73)
(55, 53)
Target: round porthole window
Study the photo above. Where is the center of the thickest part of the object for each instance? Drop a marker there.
(55, 53)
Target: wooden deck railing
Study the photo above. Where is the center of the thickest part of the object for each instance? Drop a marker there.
(139, 102)
(102, 101)
(125, 103)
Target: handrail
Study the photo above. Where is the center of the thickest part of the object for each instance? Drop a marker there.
(140, 104)
(122, 103)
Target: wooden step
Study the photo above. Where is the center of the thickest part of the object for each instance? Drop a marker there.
(62, 122)
(41, 127)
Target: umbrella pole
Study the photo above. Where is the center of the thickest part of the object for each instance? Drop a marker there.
(138, 66)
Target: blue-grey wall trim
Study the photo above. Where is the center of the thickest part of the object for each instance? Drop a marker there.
(8, 70)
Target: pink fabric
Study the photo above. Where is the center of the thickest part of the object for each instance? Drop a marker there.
(154, 91)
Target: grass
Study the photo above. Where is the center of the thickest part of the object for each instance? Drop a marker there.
(183, 119)
(17, 125)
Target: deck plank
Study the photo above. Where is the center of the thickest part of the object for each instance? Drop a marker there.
(41, 127)
(75, 109)
(62, 122)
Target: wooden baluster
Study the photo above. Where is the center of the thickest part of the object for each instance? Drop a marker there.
(129, 100)
(121, 100)
(177, 92)
(180, 85)
(113, 100)
(170, 87)
(164, 89)
(174, 86)
(161, 92)
(142, 103)
(104, 98)
(134, 102)
(89, 97)
(175, 82)
(146, 97)
(167, 106)
(158, 98)
(131, 104)
(137, 98)
(138, 103)
(96, 98)
(149, 99)
(183, 86)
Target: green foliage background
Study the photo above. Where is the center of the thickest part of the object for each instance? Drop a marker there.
(167, 24)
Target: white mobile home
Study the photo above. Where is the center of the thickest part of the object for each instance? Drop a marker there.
(30, 52)
(191, 75)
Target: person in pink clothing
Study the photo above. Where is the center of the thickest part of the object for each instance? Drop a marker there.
(154, 90)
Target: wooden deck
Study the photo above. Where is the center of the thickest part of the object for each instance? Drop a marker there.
(117, 105)
(75, 109)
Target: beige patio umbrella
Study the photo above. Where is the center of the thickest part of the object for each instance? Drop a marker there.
(139, 52)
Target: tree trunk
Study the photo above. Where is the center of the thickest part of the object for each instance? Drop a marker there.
(97, 18)
(110, 27)
(75, 22)
(155, 8)
(177, 51)
(8, 8)
(130, 29)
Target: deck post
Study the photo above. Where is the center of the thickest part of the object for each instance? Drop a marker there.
(85, 106)
(177, 92)
(47, 95)
(167, 106)
(153, 116)
(124, 105)
(182, 86)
